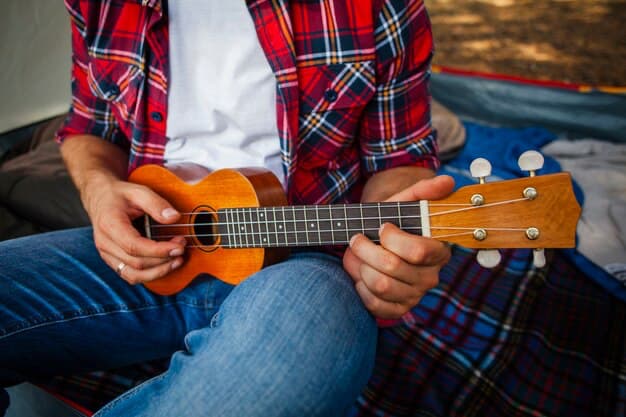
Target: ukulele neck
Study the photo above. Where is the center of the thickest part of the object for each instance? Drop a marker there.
(297, 226)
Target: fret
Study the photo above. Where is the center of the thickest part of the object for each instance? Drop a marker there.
(301, 235)
(262, 227)
(388, 213)
(232, 228)
(240, 228)
(256, 227)
(221, 225)
(306, 225)
(252, 227)
(354, 220)
(324, 225)
(237, 227)
(346, 225)
(362, 219)
(274, 227)
(265, 228)
(332, 226)
(318, 226)
(371, 221)
(411, 221)
(279, 219)
(399, 216)
(291, 236)
(223, 228)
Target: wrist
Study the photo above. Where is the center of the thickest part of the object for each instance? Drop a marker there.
(91, 186)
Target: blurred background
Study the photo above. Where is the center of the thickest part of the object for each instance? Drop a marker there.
(576, 41)
(35, 50)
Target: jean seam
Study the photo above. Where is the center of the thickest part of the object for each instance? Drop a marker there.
(83, 316)
(130, 393)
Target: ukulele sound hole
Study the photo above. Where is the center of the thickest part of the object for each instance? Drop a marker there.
(205, 229)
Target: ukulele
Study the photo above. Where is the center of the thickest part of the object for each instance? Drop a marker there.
(236, 221)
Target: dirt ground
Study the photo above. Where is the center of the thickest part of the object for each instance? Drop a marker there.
(577, 41)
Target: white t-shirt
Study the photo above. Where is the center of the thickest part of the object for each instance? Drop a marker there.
(222, 92)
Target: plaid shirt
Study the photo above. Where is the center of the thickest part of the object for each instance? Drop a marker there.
(352, 85)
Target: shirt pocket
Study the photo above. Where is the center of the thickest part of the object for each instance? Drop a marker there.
(332, 100)
(117, 83)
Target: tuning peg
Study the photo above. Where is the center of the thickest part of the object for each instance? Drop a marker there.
(539, 258)
(480, 168)
(488, 258)
(530, 161)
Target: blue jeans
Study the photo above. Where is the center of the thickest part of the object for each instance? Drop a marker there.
(293, 339)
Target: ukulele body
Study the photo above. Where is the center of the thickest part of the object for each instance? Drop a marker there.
(199, 201)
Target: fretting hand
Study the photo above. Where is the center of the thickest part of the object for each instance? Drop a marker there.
(392, 277)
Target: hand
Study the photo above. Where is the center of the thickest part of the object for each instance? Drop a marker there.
(391, 278)
(112, 204)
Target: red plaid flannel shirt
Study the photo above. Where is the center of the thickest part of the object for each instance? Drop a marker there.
(352, 85)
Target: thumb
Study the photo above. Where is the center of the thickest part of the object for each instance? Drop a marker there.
(427, 189)
(146, 200)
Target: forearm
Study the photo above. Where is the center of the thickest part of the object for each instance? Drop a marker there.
(384, 184)
(92, 161)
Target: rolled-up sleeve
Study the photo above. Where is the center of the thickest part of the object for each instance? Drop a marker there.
(88, 113)
(396, 128)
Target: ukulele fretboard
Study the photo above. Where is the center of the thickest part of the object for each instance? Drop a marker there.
(285, 226)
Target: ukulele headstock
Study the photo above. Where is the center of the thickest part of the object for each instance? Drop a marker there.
(535, 212)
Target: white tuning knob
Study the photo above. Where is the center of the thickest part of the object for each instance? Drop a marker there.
(480, 168)
(530, 161)
(539, 258)
(488, 258)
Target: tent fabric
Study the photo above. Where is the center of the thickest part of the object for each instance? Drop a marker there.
(564, 111)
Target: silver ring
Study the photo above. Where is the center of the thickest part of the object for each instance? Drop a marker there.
(120, 268)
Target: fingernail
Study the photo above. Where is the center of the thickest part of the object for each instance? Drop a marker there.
(380, 230)
(169, 212)
(176, 252)
(177, 263)
(352, 239)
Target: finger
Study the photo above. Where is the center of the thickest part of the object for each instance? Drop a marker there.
(134, 276)
(141, 263)
(149, 202)
(352, 265)
(427, 189)
(121, 233)
(135, 262)
(388, 288)
(413, 249)
(378, 307)
(381, 259)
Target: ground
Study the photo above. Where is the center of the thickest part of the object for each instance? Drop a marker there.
(576, 41)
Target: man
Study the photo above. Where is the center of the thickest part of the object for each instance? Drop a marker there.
(332, 97)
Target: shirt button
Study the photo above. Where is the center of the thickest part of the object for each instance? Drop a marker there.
(330, 95)
(156, 116)
(113, 91)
